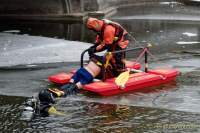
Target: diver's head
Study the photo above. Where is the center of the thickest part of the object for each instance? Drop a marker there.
(46, 97)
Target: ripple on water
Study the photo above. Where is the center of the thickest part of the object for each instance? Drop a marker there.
(91, 116)
(10, 114)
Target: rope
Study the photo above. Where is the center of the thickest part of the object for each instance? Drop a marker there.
(140, 56)
(156, 59)
(133, 38)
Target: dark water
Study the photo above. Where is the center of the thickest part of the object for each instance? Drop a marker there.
(173, 107)
(68, 31)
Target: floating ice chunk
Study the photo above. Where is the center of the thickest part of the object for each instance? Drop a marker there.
(31, 65)
(12, 31)
(189, 34)
(182, 43)
(168, 3)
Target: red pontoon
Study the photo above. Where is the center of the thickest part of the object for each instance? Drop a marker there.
(136, 81)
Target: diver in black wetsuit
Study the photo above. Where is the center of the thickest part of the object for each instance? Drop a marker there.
(41, 105)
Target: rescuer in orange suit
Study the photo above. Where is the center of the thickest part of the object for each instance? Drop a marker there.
(111, 36)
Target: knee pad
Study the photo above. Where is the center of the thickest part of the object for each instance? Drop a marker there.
(83, 76)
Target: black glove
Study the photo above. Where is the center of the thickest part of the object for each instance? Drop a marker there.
(92, 50)
(70, 89)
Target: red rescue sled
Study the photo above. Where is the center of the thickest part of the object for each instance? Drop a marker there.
(136, 81)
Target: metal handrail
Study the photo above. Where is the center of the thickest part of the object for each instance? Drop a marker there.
(82, 56)
(119, 51)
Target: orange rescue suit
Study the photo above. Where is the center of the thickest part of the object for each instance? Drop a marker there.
(111, 36)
